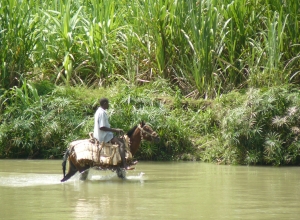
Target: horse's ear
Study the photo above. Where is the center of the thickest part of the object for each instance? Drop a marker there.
(142, 123)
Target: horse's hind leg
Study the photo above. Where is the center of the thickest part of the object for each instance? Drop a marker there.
(71, 172)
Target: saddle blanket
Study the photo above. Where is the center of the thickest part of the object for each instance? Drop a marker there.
(103, 154)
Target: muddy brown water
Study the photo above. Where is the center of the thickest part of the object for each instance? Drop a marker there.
(30, 189)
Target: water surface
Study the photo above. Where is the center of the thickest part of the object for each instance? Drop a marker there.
(31, 189)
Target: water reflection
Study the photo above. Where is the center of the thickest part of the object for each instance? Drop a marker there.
(106, 196)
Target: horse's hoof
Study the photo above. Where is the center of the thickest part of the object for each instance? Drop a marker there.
(84, 175)
(121, 173)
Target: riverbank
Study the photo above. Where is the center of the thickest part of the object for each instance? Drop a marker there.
(254, 126)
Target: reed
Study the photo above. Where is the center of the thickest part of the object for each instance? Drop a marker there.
(202, 40)
(101, 27)
(19, 33)
(60, 30)
(209, 46)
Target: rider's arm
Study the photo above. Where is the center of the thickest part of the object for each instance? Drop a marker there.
(111, 129)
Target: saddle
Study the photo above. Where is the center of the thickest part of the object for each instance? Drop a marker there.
(90, 151)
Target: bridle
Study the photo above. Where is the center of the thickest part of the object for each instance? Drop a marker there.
(143, 131)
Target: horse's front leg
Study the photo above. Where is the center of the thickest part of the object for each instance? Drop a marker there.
(84, 172)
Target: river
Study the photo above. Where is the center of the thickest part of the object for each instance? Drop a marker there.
(31, 189)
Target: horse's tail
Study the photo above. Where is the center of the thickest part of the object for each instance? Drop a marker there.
(64, 163)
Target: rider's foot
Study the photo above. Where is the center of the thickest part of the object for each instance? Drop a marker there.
(130, 168)
(134, 162)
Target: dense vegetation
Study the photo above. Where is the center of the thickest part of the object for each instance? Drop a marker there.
(260, 126)
(217, 79)
(38, 126)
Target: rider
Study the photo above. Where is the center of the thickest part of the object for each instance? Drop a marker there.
(103, 131)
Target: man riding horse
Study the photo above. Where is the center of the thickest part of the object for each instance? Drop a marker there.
(104, 133)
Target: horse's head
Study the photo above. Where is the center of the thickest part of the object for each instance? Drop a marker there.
(147, 132)
(141, 132)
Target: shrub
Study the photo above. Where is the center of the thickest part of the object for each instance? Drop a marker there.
(41, 126)
(263, 129)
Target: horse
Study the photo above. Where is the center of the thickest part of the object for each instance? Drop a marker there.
(135, 135)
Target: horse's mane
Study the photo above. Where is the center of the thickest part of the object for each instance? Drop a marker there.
(130, 132)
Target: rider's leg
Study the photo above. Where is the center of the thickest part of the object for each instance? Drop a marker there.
(121, 150)
(122, 153)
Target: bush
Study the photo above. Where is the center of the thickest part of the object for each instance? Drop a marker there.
(263, 129)
(36, 126)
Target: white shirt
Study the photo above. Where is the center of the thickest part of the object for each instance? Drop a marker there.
(101, 120)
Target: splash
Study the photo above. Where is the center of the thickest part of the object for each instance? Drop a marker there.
(139, 177)
(114, 177)
(26, 180)
(32, 179)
